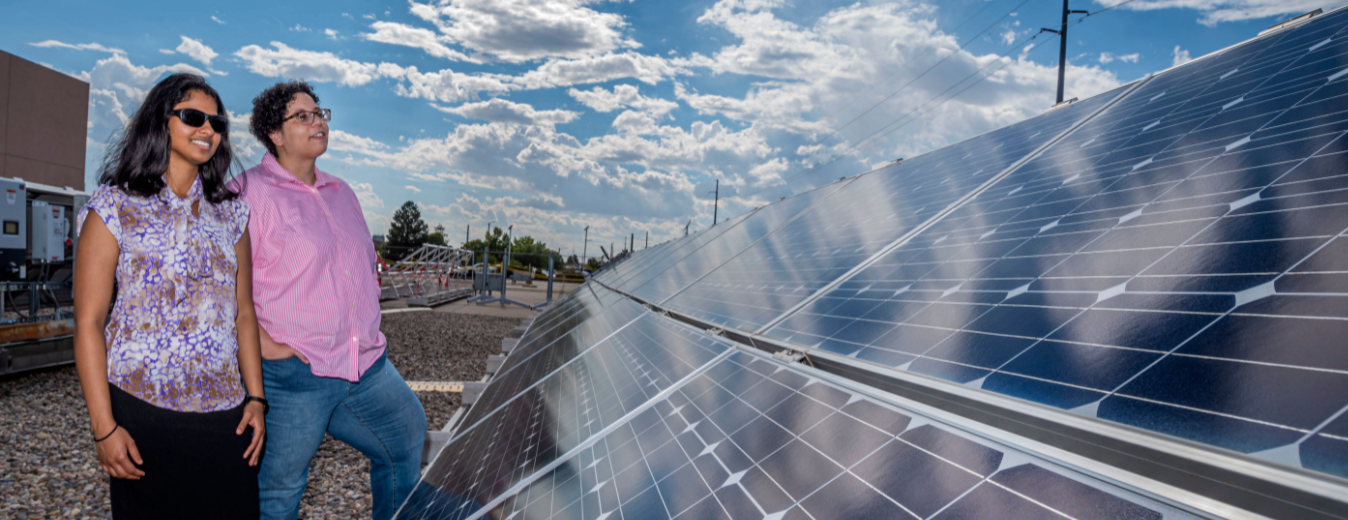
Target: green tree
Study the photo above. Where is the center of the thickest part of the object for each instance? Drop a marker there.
(494, 241)
(407, 232)
(436, 238)
(593, 265)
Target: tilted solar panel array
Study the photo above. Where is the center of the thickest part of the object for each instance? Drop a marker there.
(752, 439)
(863, 217)
(1169, 259)
(1146, 269)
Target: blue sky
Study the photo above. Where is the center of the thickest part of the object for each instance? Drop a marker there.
(557, 114)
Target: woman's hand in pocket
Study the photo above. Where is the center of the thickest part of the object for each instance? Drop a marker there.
(119, 457)
(273, 351)
(253, 416)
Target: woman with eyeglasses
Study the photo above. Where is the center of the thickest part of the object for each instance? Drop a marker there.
(173, 378)
(317, 298)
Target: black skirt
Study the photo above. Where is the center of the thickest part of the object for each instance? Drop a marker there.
(194, 465)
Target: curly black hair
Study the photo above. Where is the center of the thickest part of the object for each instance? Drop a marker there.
(269, 108)
(137, 160)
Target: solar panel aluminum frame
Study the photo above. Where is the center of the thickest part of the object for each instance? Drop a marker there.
(1222, 483)
(952, 207)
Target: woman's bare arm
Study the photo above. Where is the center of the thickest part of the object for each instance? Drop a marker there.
(250, 351)
(95, 270)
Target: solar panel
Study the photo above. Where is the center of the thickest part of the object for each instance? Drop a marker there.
(733, 240)
(754, 439)
(590, 393)
(1176, 264)
(677, 251)
(527, 367)
(862, 218)
(1171, 256)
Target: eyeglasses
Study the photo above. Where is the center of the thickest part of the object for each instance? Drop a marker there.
(309, 118)
(195, 118)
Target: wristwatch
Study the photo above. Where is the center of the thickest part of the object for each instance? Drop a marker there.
(265, 407)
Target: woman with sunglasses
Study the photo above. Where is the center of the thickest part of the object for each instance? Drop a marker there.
(173, 379)
(317, 297)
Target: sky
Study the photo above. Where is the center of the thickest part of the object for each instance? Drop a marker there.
(620, 115)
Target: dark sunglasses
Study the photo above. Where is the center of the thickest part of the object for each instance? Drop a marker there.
(195, 118)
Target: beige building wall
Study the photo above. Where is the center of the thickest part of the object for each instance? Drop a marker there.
(43, 120)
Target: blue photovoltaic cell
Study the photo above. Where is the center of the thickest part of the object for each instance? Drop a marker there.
(677, 251)
(594, 391)
(751, 439)
(530, 367)
(1177, 264)
(859, 220)
(729, 243)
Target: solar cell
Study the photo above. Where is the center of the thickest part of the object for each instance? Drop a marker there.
(753, 439)
(863, 217)
(1176, 264)
(562, 411)
(734, 239)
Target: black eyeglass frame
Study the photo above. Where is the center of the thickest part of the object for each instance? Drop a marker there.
(218, 123)
(321, 113)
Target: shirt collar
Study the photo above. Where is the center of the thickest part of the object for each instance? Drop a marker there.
(194, 194)
(277, 174)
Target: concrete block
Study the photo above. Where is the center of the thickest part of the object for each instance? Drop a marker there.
(508, 345)
(517, 332)
(494, 363)
(434, 441)
(475, 387)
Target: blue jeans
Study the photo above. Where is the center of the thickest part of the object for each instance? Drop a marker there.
(379, 416)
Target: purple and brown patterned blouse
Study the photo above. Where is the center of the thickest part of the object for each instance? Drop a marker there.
(171, 338)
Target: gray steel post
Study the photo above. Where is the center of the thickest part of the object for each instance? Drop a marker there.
(549, 277)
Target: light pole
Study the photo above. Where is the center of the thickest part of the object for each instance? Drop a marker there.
(585, 248)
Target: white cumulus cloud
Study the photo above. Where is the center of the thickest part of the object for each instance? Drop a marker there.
(282, 61)
(601, 100)
(522, 30)
(503, 111)
(78, 46)
(197, 50)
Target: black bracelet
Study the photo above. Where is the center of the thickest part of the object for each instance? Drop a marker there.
(115, 426)
(265, 407)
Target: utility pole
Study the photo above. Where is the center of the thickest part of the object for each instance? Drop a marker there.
(715, 206)
(1062, 46)
(467, 232)
(648, 239)
(585, 248)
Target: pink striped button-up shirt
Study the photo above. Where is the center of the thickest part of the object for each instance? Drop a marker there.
(315, 284)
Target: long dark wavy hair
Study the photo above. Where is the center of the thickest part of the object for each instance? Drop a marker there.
(137, 160)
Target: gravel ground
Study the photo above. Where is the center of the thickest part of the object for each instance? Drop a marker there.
(48, 468)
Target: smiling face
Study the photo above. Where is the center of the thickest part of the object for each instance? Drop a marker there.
(299, 140)
(194, 146)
